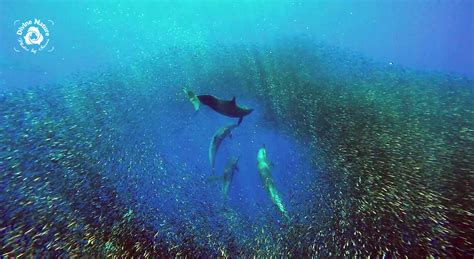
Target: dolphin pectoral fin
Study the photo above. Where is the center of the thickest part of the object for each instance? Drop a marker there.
(233, 100)
(240, 120)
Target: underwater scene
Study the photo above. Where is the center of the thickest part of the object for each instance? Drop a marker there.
(205, 129)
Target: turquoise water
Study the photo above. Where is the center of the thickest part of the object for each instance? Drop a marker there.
(365, 112)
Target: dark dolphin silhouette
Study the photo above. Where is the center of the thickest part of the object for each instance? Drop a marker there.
(228, 175)
(225, 107)
(216, 141)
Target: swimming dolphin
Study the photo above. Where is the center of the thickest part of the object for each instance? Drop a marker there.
(216, 141)
(224, 107)
(263, 165)
(229, 172)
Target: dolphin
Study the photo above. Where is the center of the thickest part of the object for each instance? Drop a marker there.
(216, 141)
(263, 165)
(225, 107)
(229, 172)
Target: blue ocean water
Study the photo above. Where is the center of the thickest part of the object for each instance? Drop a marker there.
(365, 110)
(86, 36)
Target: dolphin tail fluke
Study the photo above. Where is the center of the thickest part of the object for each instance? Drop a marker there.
(278, 201)
(192, 98)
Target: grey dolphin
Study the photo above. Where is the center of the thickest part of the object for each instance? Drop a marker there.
(225, 107)
(228, 175)
(263, 165)
(216, 141)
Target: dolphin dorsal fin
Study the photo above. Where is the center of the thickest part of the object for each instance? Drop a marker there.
(233, 100)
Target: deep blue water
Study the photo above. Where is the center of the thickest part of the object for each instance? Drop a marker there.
(422, 35)
(364, 107)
